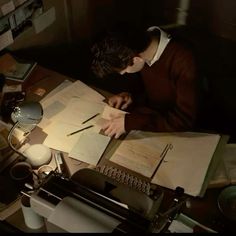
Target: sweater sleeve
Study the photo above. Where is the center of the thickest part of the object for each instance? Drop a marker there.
(181, 116)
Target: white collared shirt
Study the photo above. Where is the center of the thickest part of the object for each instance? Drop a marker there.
(164, 40)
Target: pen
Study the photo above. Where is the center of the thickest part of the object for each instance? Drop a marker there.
(80, 130)
(90, 118)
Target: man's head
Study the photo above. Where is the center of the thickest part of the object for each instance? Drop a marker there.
(117, 51)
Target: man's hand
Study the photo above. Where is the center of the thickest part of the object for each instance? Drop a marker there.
(120, 101)
(115, 127)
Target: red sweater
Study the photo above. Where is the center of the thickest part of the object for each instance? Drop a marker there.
(170, 86)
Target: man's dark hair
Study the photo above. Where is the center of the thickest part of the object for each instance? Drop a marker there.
(114, 49)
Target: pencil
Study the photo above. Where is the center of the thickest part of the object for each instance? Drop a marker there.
(90, 118)
(168, 146)
(77, 131)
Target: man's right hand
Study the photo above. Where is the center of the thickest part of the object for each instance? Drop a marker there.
(120, 101)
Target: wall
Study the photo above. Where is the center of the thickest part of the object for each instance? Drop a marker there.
(54, 34)
(80, 19)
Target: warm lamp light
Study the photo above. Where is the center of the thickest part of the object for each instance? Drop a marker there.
(25, 116)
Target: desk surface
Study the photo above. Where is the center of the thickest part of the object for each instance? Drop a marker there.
(204, 210)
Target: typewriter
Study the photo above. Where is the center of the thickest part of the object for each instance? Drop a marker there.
(100, 200)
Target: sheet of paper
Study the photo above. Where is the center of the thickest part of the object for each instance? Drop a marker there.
(179, 227)
(62, 97)
(58, 138)
(229, 158)
(56, 90)
(79, 110)
(89, 147)
(110, 112)
(77, 217)
(6, 39)
(139, 153)
(186, 164)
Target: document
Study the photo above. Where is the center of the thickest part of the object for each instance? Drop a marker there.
(79, 110)
(89, 147)
(57, 136)
(58, 101)
(139, 152)
(184, 165)
(111, 112)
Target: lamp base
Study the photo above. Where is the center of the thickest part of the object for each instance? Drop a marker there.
(38, 155)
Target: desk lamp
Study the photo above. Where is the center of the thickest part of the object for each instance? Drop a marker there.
(25, 116)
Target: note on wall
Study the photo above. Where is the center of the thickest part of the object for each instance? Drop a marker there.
(44, 20)
(6, 39)
(7, 7)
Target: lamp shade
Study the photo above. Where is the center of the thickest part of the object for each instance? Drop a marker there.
(27, 113)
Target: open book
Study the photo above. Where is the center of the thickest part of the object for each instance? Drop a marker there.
(225, 174)
(170, 160)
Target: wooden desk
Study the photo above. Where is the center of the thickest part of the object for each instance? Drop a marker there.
(204, 210)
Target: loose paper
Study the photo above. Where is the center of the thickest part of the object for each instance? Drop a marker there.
(89, 147)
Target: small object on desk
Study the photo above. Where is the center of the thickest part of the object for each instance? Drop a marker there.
(38, 155)
(16, 69)
(227, 202)
(90, 118)
(43, 171)
(61, 164)
(58, 160)
(90, 126)
(40, 91)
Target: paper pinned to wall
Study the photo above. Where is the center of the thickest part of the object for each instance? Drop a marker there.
(6, 39)
(44, 20)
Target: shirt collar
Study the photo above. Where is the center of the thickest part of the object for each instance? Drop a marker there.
(164, 40)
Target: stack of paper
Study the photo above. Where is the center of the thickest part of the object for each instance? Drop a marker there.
(65, 112)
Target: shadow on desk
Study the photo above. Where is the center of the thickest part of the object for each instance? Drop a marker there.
(206, 212)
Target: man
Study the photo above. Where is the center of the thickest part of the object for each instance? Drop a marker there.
(169, 74)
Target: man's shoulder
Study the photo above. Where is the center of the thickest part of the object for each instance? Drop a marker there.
(179, 47)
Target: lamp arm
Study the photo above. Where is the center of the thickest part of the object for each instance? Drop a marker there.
(9, 139)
